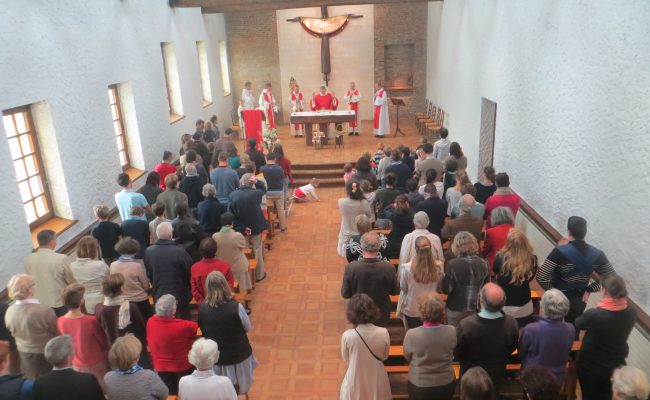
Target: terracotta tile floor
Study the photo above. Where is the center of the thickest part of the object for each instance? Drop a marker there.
(298, 314)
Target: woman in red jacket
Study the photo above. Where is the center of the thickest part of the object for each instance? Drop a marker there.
(501, 221)
(170, 339)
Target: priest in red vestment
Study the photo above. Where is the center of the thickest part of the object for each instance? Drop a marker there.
(353, 97)
(269, 106)
(324, 101)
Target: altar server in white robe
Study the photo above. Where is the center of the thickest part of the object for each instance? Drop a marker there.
(352, 99)
(297, 105)
(269, 106)
(382, 126)
(247, 97)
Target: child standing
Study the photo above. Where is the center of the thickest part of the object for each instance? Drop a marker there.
(307, 192)
(107, 233)
(348, 172)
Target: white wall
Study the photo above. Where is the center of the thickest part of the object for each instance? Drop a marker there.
(352, 55)
(67, 53)
(571, 80)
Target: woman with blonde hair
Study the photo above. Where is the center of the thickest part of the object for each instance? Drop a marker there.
(225, 321)
(31, 323)
(515, 266)
(464, 276)
(422, 275)
(129, 380)
(89, 270)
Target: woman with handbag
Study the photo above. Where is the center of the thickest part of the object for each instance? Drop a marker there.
(364, 348)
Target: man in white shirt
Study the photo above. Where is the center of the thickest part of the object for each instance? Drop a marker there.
(441, 147)
(247, 97)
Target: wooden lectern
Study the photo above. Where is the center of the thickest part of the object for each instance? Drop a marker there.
(397, 103)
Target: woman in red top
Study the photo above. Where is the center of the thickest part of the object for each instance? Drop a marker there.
(201, 269)
(170, 340)
(501, 221)
(90, 344)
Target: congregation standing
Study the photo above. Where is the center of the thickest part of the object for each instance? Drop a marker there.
(464, 275)
(181, 241)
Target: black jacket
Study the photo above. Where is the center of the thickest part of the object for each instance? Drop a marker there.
(223, 325)
(209, 212)
(246, 204)
(192, 186)
(463, 279)
(168, 267)
(67, 384)
(436, 209)
(257, 157)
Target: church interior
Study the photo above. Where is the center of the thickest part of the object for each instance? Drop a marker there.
(542, 93)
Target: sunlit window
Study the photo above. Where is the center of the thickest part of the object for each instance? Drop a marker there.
(225, 75)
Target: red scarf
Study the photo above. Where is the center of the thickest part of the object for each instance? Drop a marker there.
(610, 304)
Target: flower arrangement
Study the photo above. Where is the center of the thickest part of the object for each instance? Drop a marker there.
(270, 136)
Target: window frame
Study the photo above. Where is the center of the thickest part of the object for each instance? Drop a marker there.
(120, 118)
(38, 159)
(225, 68)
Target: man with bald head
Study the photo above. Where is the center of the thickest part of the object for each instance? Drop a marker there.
(487, 338)
(352, 99)
(465, 222)
(373, 276)
(168, 266)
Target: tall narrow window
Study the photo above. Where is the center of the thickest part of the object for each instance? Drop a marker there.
(204, 73)
(118, 126)
(172, 82)
(30, 173)
(225, 75)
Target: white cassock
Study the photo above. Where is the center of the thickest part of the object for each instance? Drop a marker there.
(352, 99)
(297, 104)
(249, 99)
(382, 125)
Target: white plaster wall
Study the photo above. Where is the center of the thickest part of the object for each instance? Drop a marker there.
(67, 53)
(434, 15)
(572, 81)
(352, 55)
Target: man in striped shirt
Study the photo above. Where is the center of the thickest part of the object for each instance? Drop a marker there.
(570, 265)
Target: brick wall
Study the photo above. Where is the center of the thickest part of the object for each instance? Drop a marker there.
(405, 25)
(253, 52)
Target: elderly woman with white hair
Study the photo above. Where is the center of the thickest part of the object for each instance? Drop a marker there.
(31, 323)
(548, 341)
(169, 339)
(353, 246)
(421, 222)
(204, 384)
(502, 221)
(225, 321)
(630, 383)
(209, 210)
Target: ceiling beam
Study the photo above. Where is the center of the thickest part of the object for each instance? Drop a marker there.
(227, 6)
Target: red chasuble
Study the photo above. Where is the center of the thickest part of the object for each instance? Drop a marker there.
(379, 95)
(323, 102)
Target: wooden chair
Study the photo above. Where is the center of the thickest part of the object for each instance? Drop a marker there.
(235, 124)
(432, 128)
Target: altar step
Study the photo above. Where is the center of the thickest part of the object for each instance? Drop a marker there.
(329, 174)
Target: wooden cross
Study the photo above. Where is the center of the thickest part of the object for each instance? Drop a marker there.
(326, 66)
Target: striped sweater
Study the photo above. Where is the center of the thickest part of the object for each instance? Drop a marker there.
(558, 266)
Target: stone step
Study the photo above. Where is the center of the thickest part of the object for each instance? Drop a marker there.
(315, 173)
(325, 182)
(323, 166)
